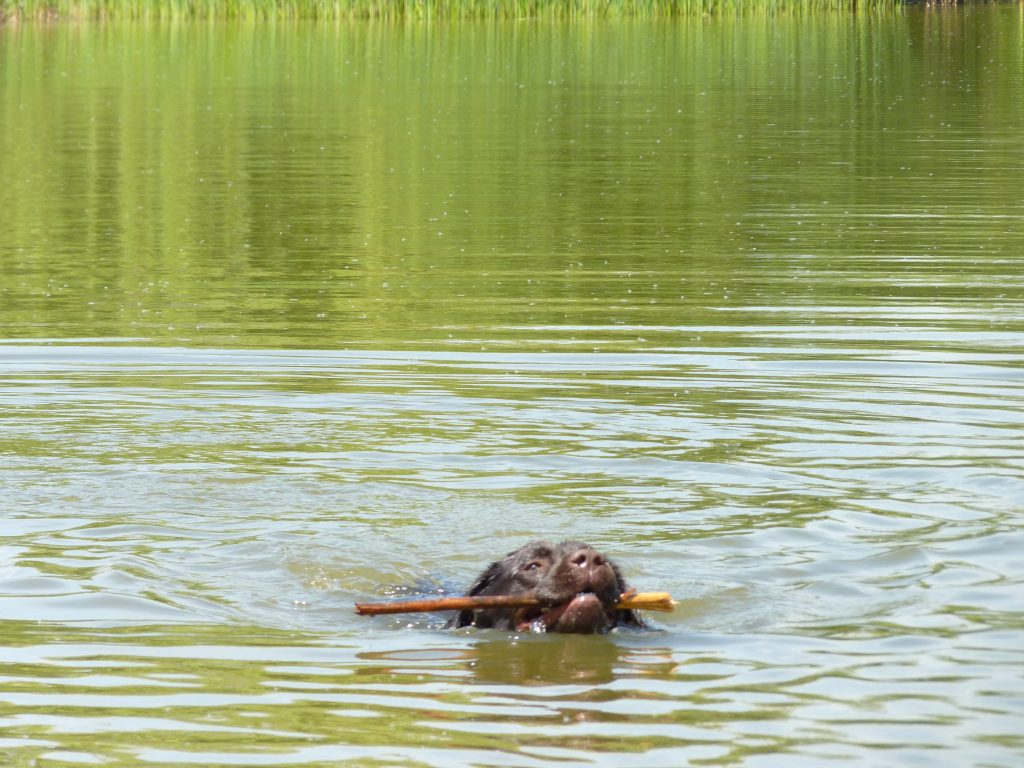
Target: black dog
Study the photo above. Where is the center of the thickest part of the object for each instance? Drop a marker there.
(576, 585)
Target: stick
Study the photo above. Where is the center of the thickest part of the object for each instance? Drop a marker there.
(631, 600)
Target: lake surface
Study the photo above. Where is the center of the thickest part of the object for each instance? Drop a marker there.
(296, 315)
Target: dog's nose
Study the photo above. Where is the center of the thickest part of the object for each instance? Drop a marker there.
(587, 559)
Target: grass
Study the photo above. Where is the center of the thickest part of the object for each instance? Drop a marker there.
(405, 9)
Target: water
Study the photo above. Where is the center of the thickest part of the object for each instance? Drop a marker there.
(298, 315)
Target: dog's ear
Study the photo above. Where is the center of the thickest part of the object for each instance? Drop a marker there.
(483, 581)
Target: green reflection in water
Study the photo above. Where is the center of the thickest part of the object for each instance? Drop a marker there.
(297, 185)
(392, 10)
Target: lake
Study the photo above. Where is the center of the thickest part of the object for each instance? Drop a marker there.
(294, 315)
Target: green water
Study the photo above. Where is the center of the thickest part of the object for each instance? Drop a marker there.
(293, 315)
(311, 186)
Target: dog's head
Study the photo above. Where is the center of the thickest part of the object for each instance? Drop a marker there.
(576, 585)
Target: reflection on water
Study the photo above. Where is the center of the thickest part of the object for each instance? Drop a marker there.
(232, 697)
(370, 185)
(298, 315)
(559, 661)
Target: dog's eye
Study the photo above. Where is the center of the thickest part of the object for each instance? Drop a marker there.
(533, 566)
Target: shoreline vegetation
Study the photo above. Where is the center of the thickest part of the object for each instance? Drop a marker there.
(13, 11)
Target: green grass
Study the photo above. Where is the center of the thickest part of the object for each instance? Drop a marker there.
(406, 9)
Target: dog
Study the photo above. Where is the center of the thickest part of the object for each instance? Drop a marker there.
(577, 586)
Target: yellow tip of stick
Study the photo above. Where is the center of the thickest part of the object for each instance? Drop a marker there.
(647, 601)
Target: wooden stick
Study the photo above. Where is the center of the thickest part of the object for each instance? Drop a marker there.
(631, 600)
